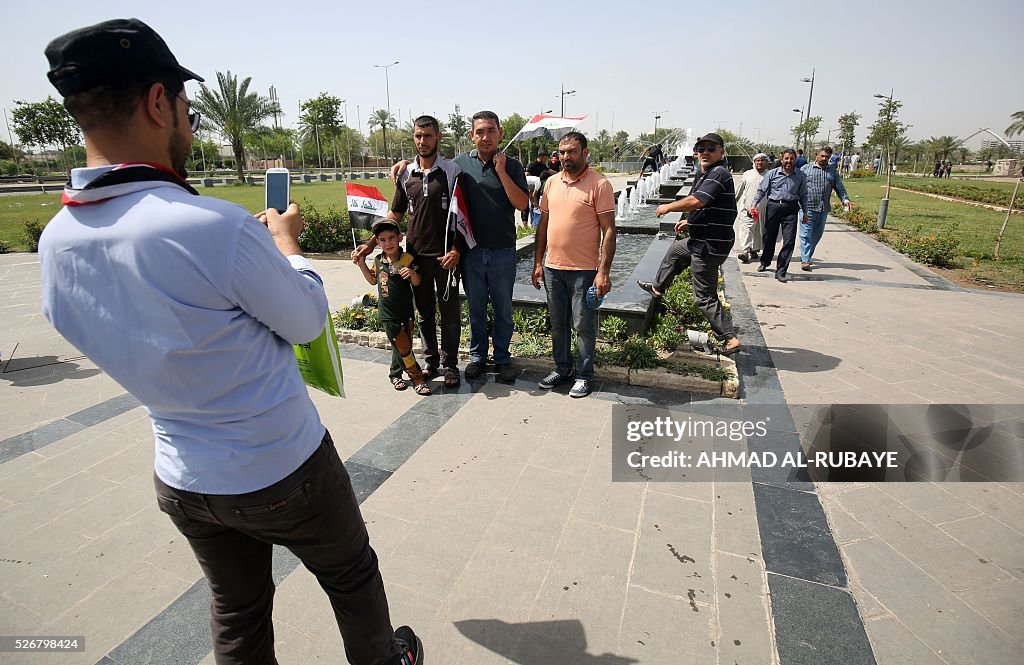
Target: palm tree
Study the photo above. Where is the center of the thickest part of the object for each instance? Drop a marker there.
(899, 144)
(382, 118)
(1017, 126)
(234, 112)
(943, 146)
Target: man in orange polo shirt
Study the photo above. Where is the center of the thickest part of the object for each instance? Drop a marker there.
(577, 230)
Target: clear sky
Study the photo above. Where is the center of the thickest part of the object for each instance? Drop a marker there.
(955, 65)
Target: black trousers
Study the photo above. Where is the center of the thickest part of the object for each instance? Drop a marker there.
(703, 280)
(430, 300)
(779, 216)
(314, 513)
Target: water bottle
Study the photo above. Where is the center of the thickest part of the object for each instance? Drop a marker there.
(593, 302)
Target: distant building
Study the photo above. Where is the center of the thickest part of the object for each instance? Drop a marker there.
(1016, 146)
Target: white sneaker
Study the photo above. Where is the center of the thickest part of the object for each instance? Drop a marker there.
(580, 389)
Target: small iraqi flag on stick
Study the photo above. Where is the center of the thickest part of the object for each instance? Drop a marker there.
(458, 217)
(365, 205)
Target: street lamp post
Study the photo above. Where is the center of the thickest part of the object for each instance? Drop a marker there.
(801, 112)
(387, 91)
(883, 205)
(565, 93)
(809, 98)
(657, 117)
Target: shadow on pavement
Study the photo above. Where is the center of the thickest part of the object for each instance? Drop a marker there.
(802, 360)
(570, 645)
(42, 371)
(851, 266)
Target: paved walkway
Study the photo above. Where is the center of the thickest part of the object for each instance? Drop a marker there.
(501, 536)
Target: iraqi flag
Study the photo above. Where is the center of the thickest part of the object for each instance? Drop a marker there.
(458, 217)
(365, 205)
(552, 127)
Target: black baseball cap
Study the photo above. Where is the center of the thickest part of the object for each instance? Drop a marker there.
(119, 50)
(712, 137)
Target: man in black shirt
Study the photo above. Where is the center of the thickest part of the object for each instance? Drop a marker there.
(654, 158)
(424, 191)
(712, 211)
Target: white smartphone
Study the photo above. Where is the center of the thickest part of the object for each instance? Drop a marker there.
(279, 189)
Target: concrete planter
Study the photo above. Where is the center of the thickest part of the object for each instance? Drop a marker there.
(659, 377)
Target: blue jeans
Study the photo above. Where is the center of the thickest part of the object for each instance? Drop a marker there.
(810, 233)
(567, 306)
(489, 274)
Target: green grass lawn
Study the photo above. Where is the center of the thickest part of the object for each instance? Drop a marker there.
(977, 229)
(981, 184)
(15, 210)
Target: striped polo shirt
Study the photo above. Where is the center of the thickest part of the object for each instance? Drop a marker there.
(711, 225)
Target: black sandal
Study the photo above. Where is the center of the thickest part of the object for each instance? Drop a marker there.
(451, 377)
(399, 383)
(422, 389)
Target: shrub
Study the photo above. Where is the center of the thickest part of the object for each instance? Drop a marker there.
(938, 249)
(526, 321)
(326, 230)
(358, 318)
(5, 247)
(614, 329)
(668, 335)
(637, 353)
(531, 345)
(862, 173)
(709, 372)
(857, 218)
(33, 229)
(8, 167)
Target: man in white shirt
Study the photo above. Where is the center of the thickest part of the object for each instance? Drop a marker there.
(750, 227)
(193, 306)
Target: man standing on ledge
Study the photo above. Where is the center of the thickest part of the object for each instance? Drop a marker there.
(822, 178)
(712, 212)
(577, 231)
(785, 187)
(193, 306)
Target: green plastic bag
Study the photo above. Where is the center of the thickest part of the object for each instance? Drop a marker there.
(320, 364)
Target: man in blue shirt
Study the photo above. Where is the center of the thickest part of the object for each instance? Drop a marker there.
(193, 306)
(821, 178)
(785, 187)
(800, 159)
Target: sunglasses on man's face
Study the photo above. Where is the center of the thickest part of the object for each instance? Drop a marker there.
(706, 148)
(193, 116)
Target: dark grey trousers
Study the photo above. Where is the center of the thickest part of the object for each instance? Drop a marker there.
(704, 280)
(314, 513)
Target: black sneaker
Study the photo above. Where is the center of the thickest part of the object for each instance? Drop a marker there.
(506, 372)
(552, 380)
(474, 370)
(411, 647)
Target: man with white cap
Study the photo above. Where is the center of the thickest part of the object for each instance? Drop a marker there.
(749, 235)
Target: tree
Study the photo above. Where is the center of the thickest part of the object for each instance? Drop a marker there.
(887, 127)
(45, 123)
(1017, 126)
(943, 146)
(382, 118)
(320, 119)
(233, 111)
(900, 144)
(458, 130)
(809, 128)
(847, 130)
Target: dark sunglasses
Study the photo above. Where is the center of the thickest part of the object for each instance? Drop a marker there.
(193, 116)
(706, 148)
